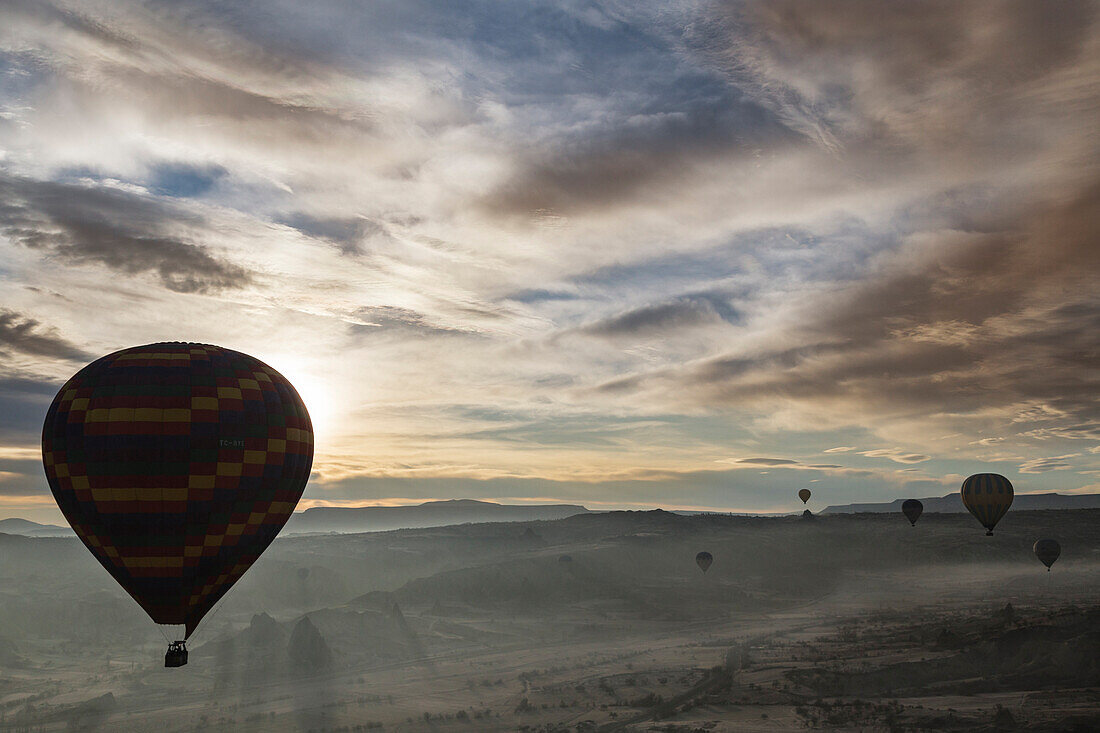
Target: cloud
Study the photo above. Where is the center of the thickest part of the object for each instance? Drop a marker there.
(895, 455)
(1083, 431)
(26, 335)
(987, 298)
(865, 349)
(767, 461)
(938, 75)
(639, 153)
(126, 232)
(389, 320)
(683, 313)
(537, 295)
(664, 233)
(1053, 463)
(787, 463)
(348, 234)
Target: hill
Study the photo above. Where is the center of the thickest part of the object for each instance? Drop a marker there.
(428, 514)
(27, 528)
(953, 503)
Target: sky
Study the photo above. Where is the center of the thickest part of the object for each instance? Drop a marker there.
(625, 254)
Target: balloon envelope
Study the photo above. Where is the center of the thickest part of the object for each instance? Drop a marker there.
(703, 560)
(1047, 551)
(804, 495)
(912, 509)
(177, 464)
(987, 496)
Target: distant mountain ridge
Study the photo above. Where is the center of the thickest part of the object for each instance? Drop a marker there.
(27, 528)
(953, 503)
(469, 511)
(428, 514)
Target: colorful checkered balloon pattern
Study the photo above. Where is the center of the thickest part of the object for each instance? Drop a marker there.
(177, 464)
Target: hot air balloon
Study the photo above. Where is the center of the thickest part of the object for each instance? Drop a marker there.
(703, 560)
(987, 496)
(804, 495)
(565, 559)
(912, 509)
(1047, 551)
(177, 464)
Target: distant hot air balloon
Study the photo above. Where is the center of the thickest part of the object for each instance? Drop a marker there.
(912, 509)
(177, 464)
(565, 559)
(987, 496)
(703, 560)
(804, 495)
(1047, 551)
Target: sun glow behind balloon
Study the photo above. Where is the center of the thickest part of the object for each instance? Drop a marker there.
(314, 390)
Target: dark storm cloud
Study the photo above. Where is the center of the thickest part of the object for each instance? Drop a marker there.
(126, 232)
(22, 334)
(683, 313)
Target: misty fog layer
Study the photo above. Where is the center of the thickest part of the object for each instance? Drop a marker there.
(596, 621)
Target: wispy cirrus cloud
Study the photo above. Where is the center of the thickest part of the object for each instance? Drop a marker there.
(895, 455)
(767, 461)
(1051, 463)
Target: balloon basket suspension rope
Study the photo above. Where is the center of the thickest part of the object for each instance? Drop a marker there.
(176, 656)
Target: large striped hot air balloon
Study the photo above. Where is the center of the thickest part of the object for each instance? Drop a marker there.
(177, 464)
(987, 496)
